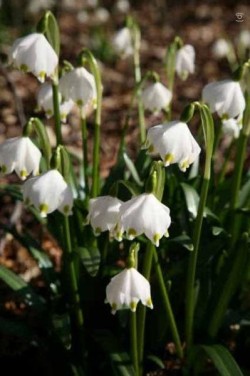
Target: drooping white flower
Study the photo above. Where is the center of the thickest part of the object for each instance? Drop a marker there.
(174, 142)
(143, 214)
(224, 97)
(244, 38)
(122, 6)
(156, 97)
(232, 127)
(184, 64)
(122, 42)
(45, 102)
(48, 192)
(103, 213)
(126, 289)
(19, 154)
(221, 48)
(79, 86)
(34, 54)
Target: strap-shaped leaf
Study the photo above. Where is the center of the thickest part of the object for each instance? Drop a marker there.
(90, 258)
(132, 169)
(223, 360)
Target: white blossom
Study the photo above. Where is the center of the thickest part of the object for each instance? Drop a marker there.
(103, 213)
(232, 127)
(48, 192)
(244, 38)
(143, 214)
(224, 97)
(184, 64)
(126, 289)
(35, 6)
(221, 48)
(174, 143)
(19, 154)
(34, 54)
(79, 86)
(45, 102)
(156, 97)
(122, 42)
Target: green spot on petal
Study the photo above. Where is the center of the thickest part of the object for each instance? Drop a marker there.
(3, 169)
(79, 102)
(156, 239)
(131, 233)
(23, 174)
(169, 158)
(133, 306)
(98, 230)
(66, 209)
(43, 208)
(24, 68)
(151, 149)
(42, 75)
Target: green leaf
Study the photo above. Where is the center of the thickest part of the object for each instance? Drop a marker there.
(184, 240)
(18, 285)
(120, 362)
(133, 189)
(90, 258)
(244, 196)
(155, 359)
(223, 360)
(192, 199)
(132, 169)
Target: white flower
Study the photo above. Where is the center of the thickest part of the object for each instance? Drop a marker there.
(126, 289)
(79, 86)
(19, 154)
(221, 48)
(232, 127)
(45, 102)
(244, 38)
(48, 192)
(224, 97)
(184, 64)
(103, 213)
(174, 142)
(156, 97)
(34, 54)
(143, 214)
(122, 6)
(122, 42)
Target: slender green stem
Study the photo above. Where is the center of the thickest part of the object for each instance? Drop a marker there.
(57, 117)
(133, 344)
(73, 291)
(190, 293)
(85, 153)
(137, 72)
(239, 164)
(146, 271)
(167, 305)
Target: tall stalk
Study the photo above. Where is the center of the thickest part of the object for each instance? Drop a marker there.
(56, 105)
(85, 153)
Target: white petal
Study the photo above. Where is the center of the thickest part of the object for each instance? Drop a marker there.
(103, 213)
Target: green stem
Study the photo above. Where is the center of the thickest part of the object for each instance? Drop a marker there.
(146, 271)
(85, 153)
(133, 344)
(167, 305)
(137, 72)
(239, 164)
(74, 296)
(57, 116)
(190, 292)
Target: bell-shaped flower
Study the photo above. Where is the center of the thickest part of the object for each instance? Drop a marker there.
(224, 97)
(48, 192)
(19, 154)
(174, 143)
(143, 214)
(231, 127)
(103, 213)
(221, 48)
(184, 63)
(156, 97)
(79, 86)
(126, 289)
(244, 38)
(45, 102)
(122, 43)
(34, 54)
